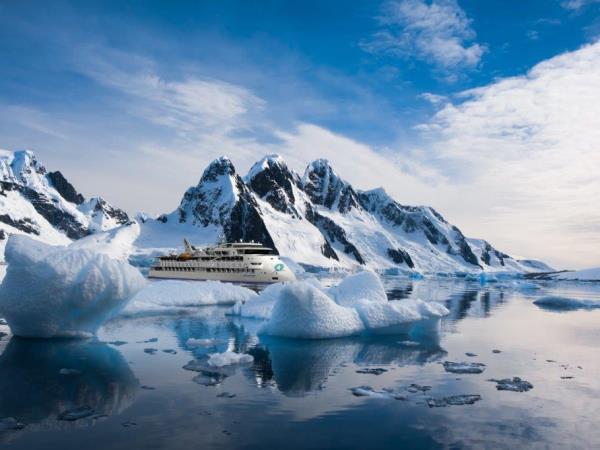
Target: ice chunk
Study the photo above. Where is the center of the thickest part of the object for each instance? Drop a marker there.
(557, 303)
(368, 391)
(463, 367)
(515, 384)
(453, 400)
(229, 358)
(303, 311)
(372, 370)
(360, 287)
(174, 296)
(52, 291)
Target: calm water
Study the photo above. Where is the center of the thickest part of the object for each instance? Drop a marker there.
(296, 394)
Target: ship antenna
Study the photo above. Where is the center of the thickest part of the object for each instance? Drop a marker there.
(188, 247)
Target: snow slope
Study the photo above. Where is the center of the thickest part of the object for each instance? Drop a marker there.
(45, 206)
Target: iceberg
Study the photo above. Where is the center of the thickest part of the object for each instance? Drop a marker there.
(174, 296)
(358, 305)
(55, 291)
(228, 358)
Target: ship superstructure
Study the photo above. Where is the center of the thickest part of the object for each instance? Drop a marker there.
(245, 262)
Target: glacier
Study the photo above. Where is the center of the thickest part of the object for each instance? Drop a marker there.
(57, 291)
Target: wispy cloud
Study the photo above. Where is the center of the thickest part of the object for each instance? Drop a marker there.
(530, 143)
(189, 106)
(438, 33)
(576, 5)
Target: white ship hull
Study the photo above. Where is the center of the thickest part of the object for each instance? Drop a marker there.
(226, 277)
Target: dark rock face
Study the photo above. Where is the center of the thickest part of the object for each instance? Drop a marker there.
(102, 207)
(488, 251)
(3, 235)
(64, 188)
(274, 184)
(324, 187)
(465, 249)
(400, 256)
(212, 202)
(25, 225)
(333, 233)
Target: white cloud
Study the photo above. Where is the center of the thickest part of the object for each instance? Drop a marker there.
(528, 151)
(439, 33)
(576, 4)
(188, 106)
(434, 99)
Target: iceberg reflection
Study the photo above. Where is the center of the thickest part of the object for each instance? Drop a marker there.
(302, 366)
(43, 378)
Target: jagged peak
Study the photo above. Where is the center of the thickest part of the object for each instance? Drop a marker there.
(325, 187)
(221, 166)
(265, 163)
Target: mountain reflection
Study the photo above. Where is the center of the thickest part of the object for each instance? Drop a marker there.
(34, 391)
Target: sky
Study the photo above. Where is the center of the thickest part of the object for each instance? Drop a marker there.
(489, 111)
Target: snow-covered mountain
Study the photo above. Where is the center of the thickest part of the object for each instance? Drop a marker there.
(318, 219)
(45, 205)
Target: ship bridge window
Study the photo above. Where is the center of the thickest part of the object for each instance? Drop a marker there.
(259, 251)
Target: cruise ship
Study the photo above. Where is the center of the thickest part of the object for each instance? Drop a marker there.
(243, 262)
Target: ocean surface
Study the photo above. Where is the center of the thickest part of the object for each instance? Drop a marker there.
(133, 392)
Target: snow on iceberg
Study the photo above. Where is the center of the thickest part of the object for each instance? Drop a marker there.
(52, 291)
(174, 296)
(361, 287)
(304, 311)
(358, 305)
(116, 243)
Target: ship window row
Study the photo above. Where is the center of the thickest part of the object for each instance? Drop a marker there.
(206, 269)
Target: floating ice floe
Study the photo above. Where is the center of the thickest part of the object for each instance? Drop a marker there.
(357, 305)
(175, 296)
(557, 303)
(55, 291)
(463, 367)
(515, 384)
(453, 400)
(368, 391)
(229, 358)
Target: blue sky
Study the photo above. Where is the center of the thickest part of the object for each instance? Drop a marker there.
(132, 99)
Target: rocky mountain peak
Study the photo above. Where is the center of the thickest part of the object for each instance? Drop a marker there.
(325, 187)
(219, 167)
(272, 180)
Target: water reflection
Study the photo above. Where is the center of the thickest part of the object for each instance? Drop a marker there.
(34, 391)
(299, 367)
